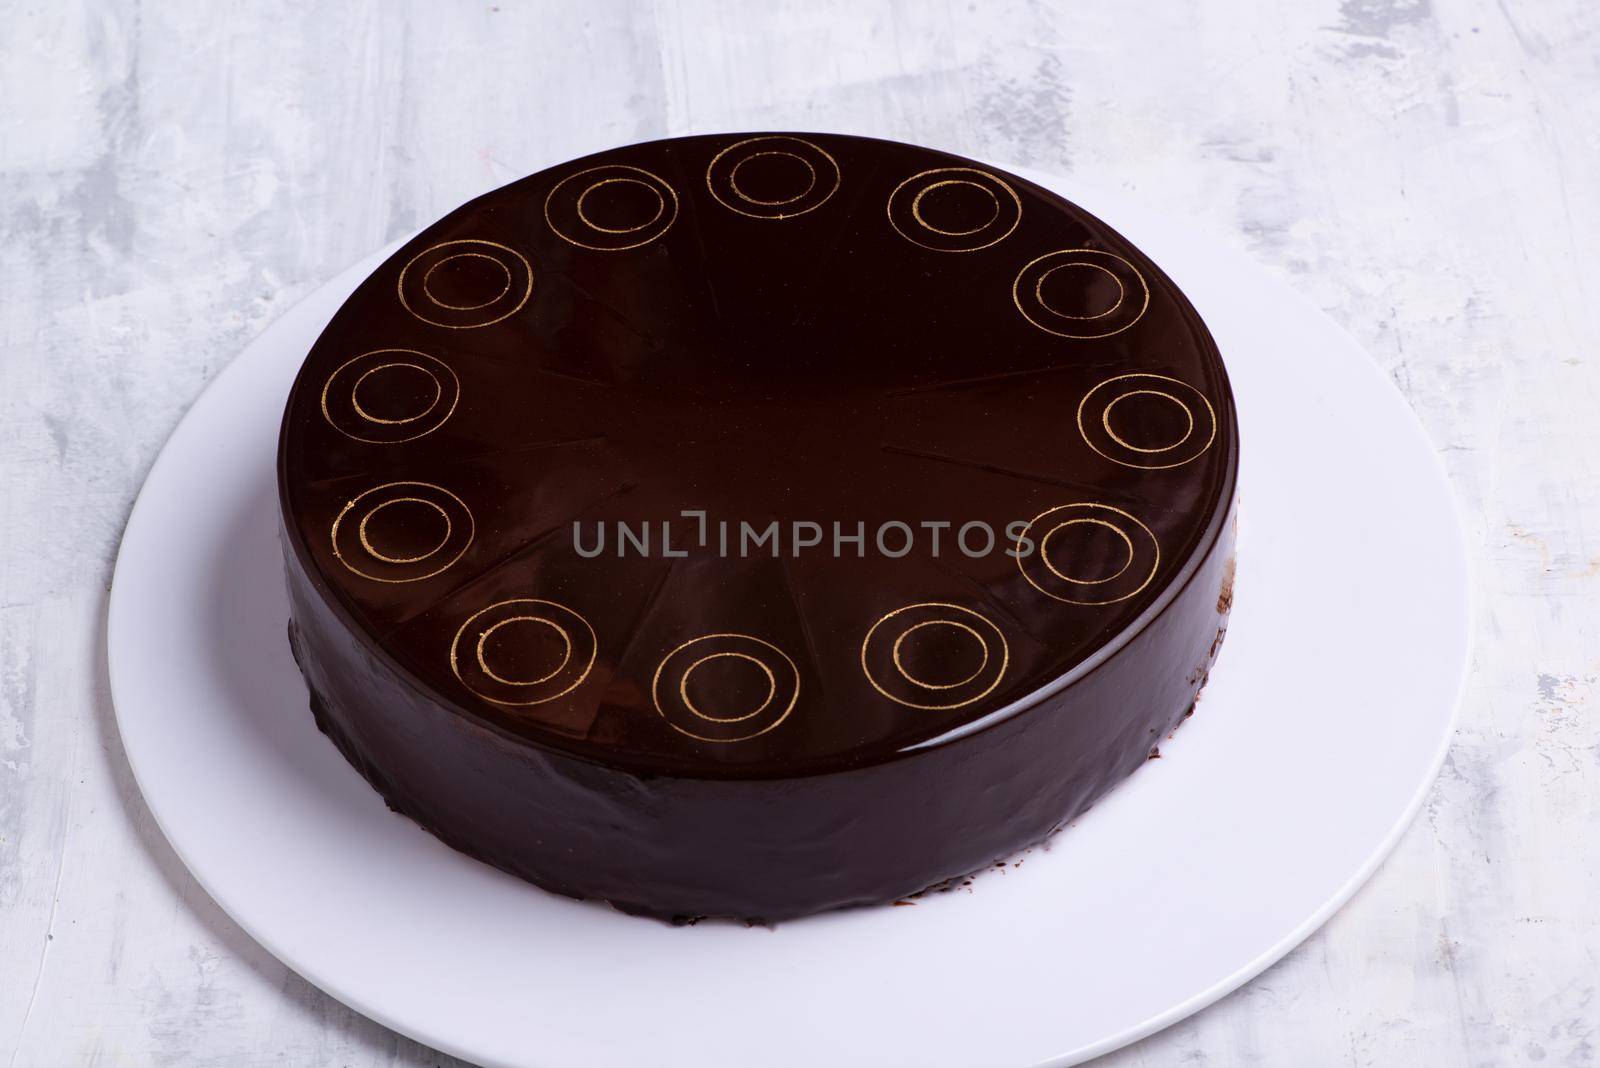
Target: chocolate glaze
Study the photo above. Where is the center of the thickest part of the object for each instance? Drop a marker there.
(779, 328)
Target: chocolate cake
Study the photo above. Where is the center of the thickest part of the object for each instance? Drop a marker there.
(755, 525)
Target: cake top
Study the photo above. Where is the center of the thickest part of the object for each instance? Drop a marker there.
(746, 454)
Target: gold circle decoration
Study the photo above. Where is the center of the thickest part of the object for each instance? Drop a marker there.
(1097, 421)
(915, 199)
(1028, 293)
(572, 213)
(884, 655)
(478, 644)
(817, 170)
(669, 688)
(370, 372)
(424, 288)
(360, 544)
(1050, 568)
(476, 304)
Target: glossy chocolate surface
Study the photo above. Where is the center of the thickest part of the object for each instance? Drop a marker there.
(790, 328)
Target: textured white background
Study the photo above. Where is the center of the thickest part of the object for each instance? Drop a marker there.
(173, 177)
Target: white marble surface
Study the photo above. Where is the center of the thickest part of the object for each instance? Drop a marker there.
(174, 176)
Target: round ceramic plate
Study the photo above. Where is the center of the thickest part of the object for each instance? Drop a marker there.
(1312, 748)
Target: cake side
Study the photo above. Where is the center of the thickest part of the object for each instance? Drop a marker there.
(761, 850)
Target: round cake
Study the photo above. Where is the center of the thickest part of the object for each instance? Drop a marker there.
(756, 525)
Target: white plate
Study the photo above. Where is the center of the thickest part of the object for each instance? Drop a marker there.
(1313, 747)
